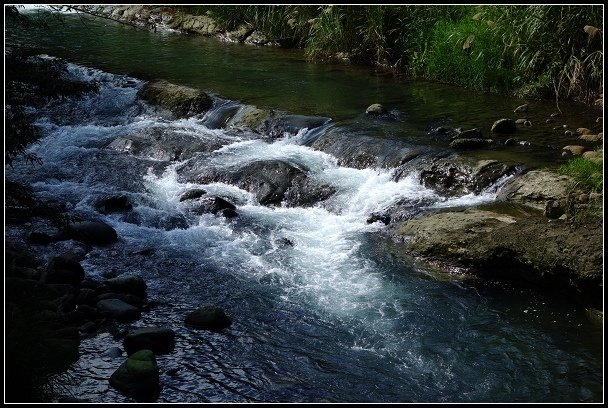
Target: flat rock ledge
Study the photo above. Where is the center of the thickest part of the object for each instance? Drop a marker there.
(550, 254)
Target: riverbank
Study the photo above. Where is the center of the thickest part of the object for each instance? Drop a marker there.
(450, 44)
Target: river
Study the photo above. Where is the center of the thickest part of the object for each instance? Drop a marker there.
(334, 316)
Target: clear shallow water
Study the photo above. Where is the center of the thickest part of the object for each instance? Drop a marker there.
(337, 317)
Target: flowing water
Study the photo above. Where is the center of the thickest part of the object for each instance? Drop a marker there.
(323, 310)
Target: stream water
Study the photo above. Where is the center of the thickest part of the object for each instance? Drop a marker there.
(335, 317)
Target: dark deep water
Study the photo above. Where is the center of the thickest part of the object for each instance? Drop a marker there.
(337, 317)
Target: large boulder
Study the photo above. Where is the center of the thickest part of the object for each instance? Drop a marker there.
(549, 254)
(138, 377)
(249, 117)
(208, 317)
(181, 101)
(163, 143)
(271, 181)
(160, 340)
(537, 187)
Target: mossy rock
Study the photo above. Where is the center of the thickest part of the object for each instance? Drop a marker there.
(138, 377)
(180, 100)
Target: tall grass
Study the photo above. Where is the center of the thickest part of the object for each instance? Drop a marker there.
(587, 172)
(528, 50)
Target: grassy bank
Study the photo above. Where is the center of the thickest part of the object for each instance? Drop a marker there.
(530, 51)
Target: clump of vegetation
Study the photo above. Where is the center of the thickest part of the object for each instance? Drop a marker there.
(586, 172)
(532, 51)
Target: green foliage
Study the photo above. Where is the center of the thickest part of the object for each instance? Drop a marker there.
(468, 52)
(585, 171)
(529, 50)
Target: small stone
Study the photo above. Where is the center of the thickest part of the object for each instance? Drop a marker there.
(583, 131)
(128, 283)
(118, 309)
(568, 133)
(599, 119)
(553, 210)
(375, 109)
(510, 142)
(591, 138)
(527, 123)
(574, 149)
(520, 121)
(556, 114)
(550, 120)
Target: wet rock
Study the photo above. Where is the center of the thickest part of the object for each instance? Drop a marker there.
(504, 126)
(459, 176)
(199, 24)
(284, 242)
(180, 100)
(114, 204)
(229, 213)
(468, 134)
(249, 117)
(535, 188)
(64, 269)
(128, 283)
(375, 109)
(88, 327)
(138, 377)
(574, 149)
(118, 309)
(208, 317)
(192, 194)
(472, 143)
(160, 340)
(510, 142)
(584, 131)
(556, 115)
(549, 120)
(600, 119)
(568, 133)
(164, 143)
(305, 193)
(383, 218)
(113, 352)
(211, 204)
(268, 180)
(92, 233)
(521, 109)
(520, 121)
(528, 123)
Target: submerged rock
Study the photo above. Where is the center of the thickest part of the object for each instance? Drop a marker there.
(208, 317)
(469, 143)
(138, 377)
(114, 204)
(192, 194)
(521, 109)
